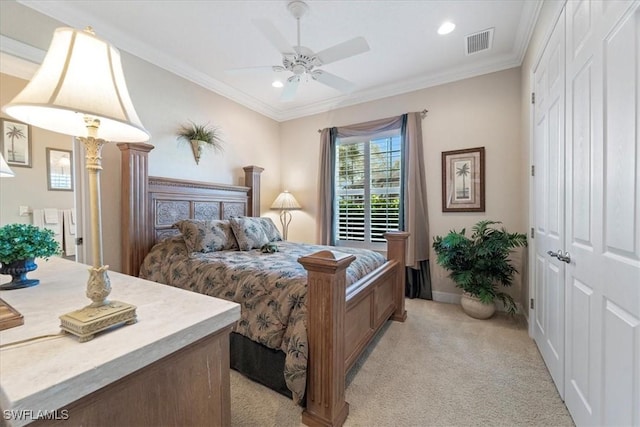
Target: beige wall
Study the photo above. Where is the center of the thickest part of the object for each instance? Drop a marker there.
(489, 111)
(164, 101)
(29, 185)
(477, 112)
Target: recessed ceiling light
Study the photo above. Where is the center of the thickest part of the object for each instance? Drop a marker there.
(446, 28)
(277, 83)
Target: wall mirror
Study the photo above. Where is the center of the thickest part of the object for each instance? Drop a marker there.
(59, 169)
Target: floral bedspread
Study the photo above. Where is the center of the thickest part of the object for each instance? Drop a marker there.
(271, 289)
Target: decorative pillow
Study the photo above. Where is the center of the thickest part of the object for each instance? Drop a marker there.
(270, 229)
(207, 236)
(249, 232)
(231, 244)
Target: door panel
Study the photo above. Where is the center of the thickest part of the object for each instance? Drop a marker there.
(621, 341)
(586, 322)
(582, 206)
(583, 222)
(603, 222)
(579, 343)
(555, 310)
(548, 190)
(621, 138)
(621, 292)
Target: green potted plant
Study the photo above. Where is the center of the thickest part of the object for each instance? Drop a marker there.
(200, 136)
(20, 244)
(478, 264)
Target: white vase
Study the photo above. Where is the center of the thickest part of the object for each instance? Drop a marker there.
(475, 308)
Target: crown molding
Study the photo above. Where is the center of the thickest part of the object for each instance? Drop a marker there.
(21, 50)
(395, 89)
(528, 18)
(63, 11)
(19, 59)
(16, 67)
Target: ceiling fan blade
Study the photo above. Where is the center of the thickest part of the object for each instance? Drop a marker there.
(333, 81)
(290, 88)
(251, 70)
(343, 50)
(274, 36)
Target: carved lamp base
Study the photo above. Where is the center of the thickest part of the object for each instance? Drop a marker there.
(88, 321)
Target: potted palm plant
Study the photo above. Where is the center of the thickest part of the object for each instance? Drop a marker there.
(200, 137)
(20, 244)
(479, 264)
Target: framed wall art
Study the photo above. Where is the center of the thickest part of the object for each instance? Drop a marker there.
(16, 143)
(59, 170)
(463, 180)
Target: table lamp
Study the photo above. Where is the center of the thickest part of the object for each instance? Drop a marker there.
(80, 90)
(5, 170)
(285, 202)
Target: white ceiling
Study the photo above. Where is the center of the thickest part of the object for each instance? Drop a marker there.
(199, 40)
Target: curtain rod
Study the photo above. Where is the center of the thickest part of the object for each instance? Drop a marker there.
(423, 113)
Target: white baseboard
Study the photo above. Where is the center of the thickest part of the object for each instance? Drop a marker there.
(451, 298)
(446, 297)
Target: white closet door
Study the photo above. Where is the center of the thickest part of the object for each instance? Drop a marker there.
(548, 193)
(602, 375)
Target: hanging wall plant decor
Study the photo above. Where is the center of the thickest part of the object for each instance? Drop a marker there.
(200, 137)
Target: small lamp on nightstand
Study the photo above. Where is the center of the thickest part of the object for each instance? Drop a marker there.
(285, 202)
(80, 90)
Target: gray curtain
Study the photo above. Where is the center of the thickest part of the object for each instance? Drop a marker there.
(416, 220)
(414, 208)
(325, 231)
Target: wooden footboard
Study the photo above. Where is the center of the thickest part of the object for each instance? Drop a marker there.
(342, 322)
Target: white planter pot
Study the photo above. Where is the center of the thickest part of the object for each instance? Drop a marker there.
(475, 308)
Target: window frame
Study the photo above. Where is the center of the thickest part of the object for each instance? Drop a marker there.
(367, 190)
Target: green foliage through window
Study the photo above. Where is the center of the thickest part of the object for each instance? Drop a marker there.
(368, 177)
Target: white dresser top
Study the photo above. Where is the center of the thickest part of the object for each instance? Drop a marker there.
(47, 374)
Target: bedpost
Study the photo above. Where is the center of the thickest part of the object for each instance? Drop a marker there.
(252, 180)
(396, 250)
(135, 218)
(326, 304)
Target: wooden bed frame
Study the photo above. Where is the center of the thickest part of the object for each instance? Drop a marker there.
(341, 322)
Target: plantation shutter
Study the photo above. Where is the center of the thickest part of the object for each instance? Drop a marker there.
(368, 172)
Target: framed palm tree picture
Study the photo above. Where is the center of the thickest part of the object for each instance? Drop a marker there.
(16, 143)
(463, 180)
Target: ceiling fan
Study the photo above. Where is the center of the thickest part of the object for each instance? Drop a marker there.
(302, 61)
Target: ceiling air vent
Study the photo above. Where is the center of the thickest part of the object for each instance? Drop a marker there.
(478, 42)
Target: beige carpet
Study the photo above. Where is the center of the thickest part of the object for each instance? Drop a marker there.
(440, 368)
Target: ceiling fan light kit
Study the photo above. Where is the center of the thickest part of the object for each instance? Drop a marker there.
(301, 61)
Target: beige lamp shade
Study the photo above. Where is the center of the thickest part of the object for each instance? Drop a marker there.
(286, 202)
(80, 90)
(5, 171)
(81, 75)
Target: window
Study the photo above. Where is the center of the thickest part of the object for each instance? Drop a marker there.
(367, 188)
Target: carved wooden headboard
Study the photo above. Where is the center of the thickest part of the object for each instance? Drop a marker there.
(173, 200)
(151, 205)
